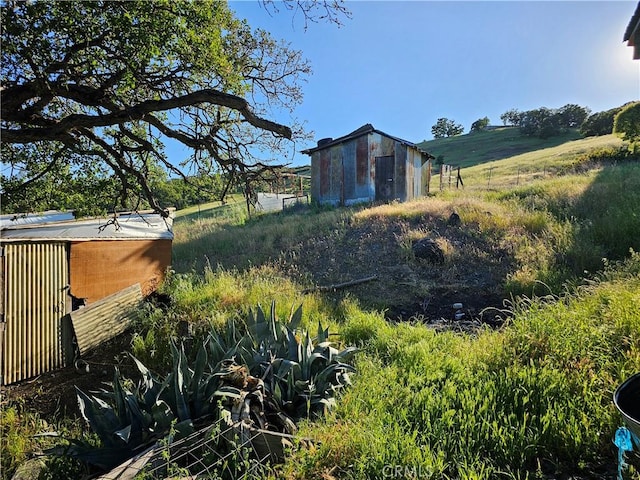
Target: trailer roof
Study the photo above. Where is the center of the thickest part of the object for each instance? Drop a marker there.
(57, 226)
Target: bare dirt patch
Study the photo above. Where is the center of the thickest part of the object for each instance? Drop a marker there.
(406, 287)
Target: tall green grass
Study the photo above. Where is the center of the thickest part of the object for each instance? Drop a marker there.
(540, 163)
(533, 399)
(241, 241)
(21, 440)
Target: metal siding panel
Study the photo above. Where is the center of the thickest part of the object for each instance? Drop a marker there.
(106, 318)
(387, 146)
(315, 177)
(417, 176)
(325, 175)
(336, 174)
(400, 180)
(349, 164)
(410, 178)
(36, 276)
(362, 161)
(375, 150)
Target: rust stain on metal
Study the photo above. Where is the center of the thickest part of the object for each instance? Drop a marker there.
(362, 163)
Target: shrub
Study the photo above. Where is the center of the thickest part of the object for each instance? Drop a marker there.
(627, 122)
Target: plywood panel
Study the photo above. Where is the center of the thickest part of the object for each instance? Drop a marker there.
(101, 268)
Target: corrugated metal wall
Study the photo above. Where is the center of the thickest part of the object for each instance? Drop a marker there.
(106, 318)
(345, 173)
(36, 278)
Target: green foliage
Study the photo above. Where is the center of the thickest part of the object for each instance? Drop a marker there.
(446, 128)
(572, 115)
(627, 122)
(15, 439)
(535, 397)
(181, 193)
(84, 187)
(113, 72)
(544, 122)
(480, 124)
(303, 375)
(511, 117)
(575, 222)
(21, 434)
(600, 123)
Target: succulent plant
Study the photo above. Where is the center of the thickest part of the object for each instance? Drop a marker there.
(268, 378)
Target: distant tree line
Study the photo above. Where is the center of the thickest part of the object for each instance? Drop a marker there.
(546, 122)
(93, 192)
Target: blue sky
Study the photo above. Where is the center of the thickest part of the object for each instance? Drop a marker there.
(400, 65)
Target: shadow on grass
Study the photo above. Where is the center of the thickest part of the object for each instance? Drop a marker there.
(607, 219)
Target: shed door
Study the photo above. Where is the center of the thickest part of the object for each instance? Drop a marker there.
(35, 282)
(384, 178)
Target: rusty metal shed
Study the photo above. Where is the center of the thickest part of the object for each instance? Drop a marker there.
(52, 265)
(367, 165)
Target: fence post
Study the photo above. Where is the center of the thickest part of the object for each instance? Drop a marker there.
(459, 179)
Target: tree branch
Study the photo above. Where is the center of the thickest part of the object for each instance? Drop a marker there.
(138, 112)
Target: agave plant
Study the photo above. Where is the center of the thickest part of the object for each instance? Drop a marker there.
(268, 377)
(302, 378)
(128, 420)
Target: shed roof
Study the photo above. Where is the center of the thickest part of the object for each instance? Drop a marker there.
(129, 226)
(363, 130)
(632, 33)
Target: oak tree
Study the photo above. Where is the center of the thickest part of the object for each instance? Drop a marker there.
(445, 127)
(627, 122)
(101, 86)
(480, 124)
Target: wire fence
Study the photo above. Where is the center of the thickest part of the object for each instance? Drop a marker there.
(218, 451)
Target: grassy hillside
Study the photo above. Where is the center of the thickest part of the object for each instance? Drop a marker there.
(480, 147)
(545, 162)
(529, 400)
